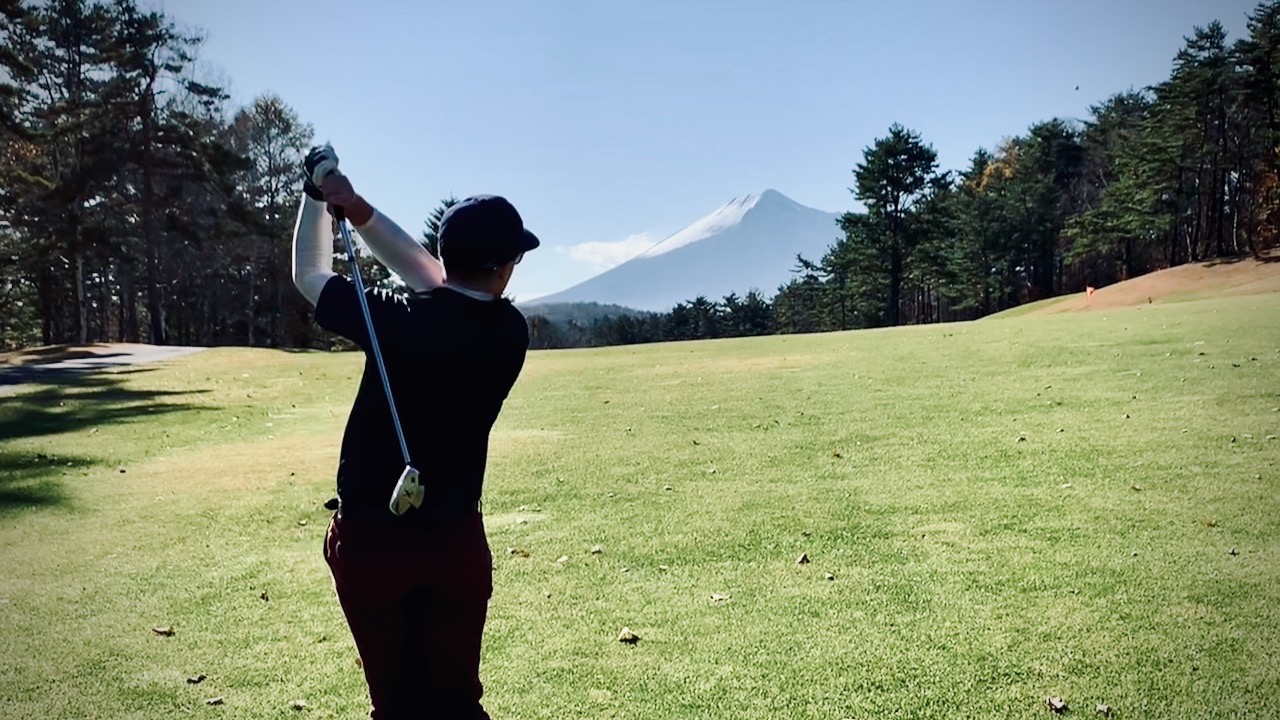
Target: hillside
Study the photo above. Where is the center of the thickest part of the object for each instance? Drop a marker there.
(1196, 281)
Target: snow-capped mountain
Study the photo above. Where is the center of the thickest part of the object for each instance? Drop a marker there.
(748, 244)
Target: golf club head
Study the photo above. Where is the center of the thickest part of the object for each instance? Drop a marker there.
(408, 492)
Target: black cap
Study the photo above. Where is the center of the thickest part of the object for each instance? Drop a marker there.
(483, 232)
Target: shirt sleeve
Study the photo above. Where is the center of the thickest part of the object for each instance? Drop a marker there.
(401, 254)
(312, 249)
(338, 311)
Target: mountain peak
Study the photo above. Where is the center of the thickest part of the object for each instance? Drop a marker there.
(730, 214)
(748, 243)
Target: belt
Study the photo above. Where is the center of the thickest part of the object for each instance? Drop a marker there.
(425, 516)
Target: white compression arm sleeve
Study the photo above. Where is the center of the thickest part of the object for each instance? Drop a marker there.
(401, 254)
(312, 249)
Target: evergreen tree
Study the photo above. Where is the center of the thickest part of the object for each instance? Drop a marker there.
(431, 235)
(897, 176)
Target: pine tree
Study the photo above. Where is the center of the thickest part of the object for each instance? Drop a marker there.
(431, 235)
(894, 181)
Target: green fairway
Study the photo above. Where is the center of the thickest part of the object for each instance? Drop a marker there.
(1079, 505)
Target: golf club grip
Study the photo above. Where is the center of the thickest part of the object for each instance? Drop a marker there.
(339, 213)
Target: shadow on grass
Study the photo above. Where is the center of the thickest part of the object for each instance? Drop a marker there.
(47, 373)
(30, 481)
(57, 353)
(70, 402)
(1266, 256)
(75, 400)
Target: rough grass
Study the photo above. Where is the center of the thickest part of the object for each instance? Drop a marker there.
(1079, 505)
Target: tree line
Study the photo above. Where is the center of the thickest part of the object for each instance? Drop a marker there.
(1184, 171)
(138, 204)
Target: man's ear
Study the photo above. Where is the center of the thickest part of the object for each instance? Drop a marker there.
(505, 272)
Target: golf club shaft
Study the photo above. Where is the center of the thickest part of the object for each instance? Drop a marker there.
(340, 216)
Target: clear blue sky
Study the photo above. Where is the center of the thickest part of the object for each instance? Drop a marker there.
(620, 122)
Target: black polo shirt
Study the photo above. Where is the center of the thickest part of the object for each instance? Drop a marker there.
(452, 360)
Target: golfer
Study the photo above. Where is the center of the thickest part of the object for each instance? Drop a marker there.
(415, 587)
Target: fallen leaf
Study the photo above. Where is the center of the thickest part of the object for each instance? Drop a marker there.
(836, 454)
(1136, 488)
(830, 576)
(264, 597)
(562, 559)
(299, 704)
(803, 559)
(1064, 486)
(664, 568)
(596, 550)
(666, 487)
(519, 552)
(1103, 709)
(1057, 705)
(302, 523)
(166, 631)
(195, 680)
(1233, 552)
(213, 701)
(628, 637)
(717, 597)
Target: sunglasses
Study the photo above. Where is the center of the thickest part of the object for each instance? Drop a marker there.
(518, 258)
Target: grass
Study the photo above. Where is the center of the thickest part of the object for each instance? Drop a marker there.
(1081, 505)
(1027, 308)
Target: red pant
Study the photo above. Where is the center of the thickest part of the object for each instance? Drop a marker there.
(416, 603)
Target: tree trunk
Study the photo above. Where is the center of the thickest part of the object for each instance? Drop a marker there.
(80, 318)
(895, 286)
(104, 308)
(120, 320)
(249, 309)
(131, 331)
(155, 313)
(82, 305)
